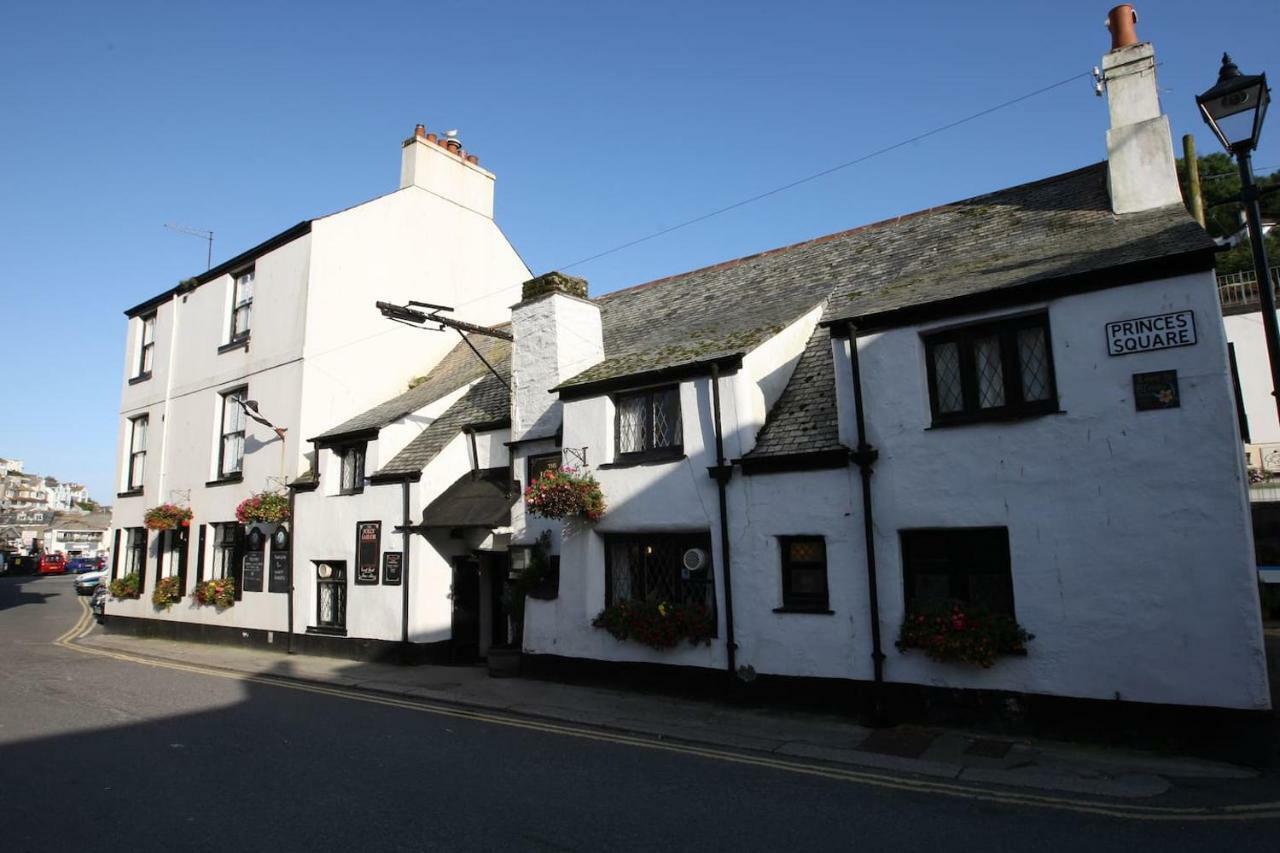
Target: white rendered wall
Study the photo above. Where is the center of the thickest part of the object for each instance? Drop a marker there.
(1129, 532)
(1245, 332)
(765, 372)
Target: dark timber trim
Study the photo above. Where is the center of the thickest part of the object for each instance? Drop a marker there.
(329, 440)
(813, 460)
(638, 381)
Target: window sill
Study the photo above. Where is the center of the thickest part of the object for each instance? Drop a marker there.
(141, 377)
(327, 632)
(812, 611)
(1005, 417)
(131, 493)
(648, 457)
(243, 343)
(345, 492)
(225, 481)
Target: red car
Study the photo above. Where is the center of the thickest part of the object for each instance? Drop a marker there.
(53, 564)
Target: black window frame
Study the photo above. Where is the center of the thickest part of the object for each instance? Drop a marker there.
(223, 434)
(338, 580)
(135, 454)
(357, 450)
(701, 590)
(967, 552)
(135, 561)
(146, 349)
(671, 451)
(224, 550)
(235, 335)
(1005, 329)
(794, 601)
(535, 464)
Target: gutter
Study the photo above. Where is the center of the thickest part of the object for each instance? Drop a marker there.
(722, 473)
(864, 456)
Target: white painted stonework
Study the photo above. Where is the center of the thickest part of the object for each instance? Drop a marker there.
(1139, 144)
(560, 337)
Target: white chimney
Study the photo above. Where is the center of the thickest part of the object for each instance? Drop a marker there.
(1141, 173)
(557, 335)
(439, 165)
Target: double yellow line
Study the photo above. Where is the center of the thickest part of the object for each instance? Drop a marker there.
(1124, 811)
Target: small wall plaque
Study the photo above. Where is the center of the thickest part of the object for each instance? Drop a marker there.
(392, 568)
(1156, 390)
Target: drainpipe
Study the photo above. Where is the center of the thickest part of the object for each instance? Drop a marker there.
(865, 458)
(404, 565)
(293, 549)
(722, 473)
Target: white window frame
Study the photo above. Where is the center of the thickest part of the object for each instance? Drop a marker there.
(136, 453)
(240, 325)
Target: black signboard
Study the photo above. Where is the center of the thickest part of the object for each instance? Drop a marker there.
(368, 547)
(252, 579)
(391, 568)
(278, 576)
(1156, 390)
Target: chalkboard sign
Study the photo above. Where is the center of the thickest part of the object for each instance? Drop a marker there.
(252, 579)
(1156, 390)
(368, 548)
(391, 568)
(278, 579)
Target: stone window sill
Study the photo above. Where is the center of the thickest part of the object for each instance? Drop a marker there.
(225, 481)
(243, 344)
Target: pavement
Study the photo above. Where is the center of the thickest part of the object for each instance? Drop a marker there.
(928, 752)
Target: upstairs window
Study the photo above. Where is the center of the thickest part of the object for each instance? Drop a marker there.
(137, 452)
(241, 304)
(991, 371)
(231, 445)
(352, 459)
(648, 422)
(147, 345)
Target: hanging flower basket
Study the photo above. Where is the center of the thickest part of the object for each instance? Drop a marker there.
(167, 517)
(125, 587)
(268, 508)
(168, 592)
(565, 493)
(954, 632)
(658, 624)
(220, 592)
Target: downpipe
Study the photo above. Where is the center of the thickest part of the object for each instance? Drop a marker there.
(722, 473)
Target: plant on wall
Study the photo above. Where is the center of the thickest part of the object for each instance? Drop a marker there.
(220, 592)
(954, 632)
(657, 624)
(564, 493)
(263, 508)
(167, 517)
(125, 587)
(168, 592)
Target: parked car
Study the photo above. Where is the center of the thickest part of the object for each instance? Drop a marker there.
(80, 565)
(98, 604)
(88, 582)
(53, 564)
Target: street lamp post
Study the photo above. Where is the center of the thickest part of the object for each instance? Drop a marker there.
(1234, 109)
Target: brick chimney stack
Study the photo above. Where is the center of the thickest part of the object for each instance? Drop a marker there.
(1141, 173)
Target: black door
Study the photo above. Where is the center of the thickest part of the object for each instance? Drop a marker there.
(466, 609)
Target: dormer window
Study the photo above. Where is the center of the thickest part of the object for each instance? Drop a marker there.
(241, 304)
(352, 459)
(648, 423)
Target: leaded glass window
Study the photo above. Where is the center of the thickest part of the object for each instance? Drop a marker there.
(649, 420)
(991, 370)
(652, 567)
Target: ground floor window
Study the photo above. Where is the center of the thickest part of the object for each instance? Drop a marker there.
(970, 565)
(172, 553)
(674, 567)
(135, 553)
(804, 573)
(331, 594)
(224, 550)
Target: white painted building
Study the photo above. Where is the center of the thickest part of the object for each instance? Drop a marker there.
(1039, 421)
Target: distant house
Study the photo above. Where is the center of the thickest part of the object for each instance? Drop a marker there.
(1016, 407)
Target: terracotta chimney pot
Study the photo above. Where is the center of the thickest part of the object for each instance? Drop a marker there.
(453, 145)
(473, 159)
(419, 131)
(431, 137)
(1121, 21)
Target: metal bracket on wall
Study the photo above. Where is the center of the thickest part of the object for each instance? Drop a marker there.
(578, 453)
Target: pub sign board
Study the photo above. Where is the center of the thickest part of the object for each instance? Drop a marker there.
(1145, 334)
(1156, 390)
(392, 568)
(368, 549)
(278, 566)
(254, 562)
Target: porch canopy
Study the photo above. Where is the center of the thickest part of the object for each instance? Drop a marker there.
(476, 499)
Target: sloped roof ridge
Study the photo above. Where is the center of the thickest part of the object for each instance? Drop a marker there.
(870, 226)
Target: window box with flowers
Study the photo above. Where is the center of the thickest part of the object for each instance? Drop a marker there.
(167, 517)
(955, 632)
(564, 493)
(167, 593)
(128, 586)
(658, 624)
(265, 511)
(219, 592)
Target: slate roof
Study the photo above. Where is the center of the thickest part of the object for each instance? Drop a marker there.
(486, 401)
(482, 499)
(458, 368)
(804, 418)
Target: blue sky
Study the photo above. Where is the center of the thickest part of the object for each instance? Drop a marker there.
(603, 122)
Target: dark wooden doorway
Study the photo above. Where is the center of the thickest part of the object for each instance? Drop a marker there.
(466, 609)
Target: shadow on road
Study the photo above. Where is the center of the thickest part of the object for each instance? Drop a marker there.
(12, 594)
